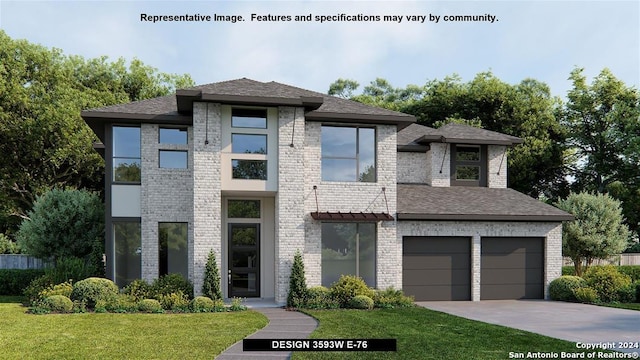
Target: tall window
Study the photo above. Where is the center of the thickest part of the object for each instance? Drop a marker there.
(348, 154)
(128, 251)
(174, 255)
(249, 138)
(348, 249)
(468, 165)
(126, 154)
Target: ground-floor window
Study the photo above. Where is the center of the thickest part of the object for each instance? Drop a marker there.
(173, 251)
(128, 251)
(348, 249)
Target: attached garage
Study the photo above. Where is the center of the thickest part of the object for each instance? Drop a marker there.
(512, 268)
(437, 268)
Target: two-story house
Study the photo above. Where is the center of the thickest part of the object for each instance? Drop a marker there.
(256, 171)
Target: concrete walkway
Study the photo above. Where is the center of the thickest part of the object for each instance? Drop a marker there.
(568, 321)
(283, 324)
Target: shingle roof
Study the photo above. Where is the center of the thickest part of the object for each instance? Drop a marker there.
(409, 135)
(456, 133)
(424, 202)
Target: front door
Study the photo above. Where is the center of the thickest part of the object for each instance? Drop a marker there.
(244, 260)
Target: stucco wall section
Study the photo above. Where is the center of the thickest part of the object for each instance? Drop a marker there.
(412, 167)
(551, 231)
(355, 197)
(497, 161)
(166, 195)
(206, 205)
(289, 207)
(440, 158)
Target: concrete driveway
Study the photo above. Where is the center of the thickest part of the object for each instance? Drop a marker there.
(568, 321)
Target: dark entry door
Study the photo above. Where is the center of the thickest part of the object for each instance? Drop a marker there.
(244, 260)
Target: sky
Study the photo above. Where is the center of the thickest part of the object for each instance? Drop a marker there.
(543, 40)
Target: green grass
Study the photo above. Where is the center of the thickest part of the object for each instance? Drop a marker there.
(120, 336)
(427, 334)
(628, 306)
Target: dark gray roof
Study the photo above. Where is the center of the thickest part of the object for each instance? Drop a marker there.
(424, 202)
(409, 135)
(457, 133)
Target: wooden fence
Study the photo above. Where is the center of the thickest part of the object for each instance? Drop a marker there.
(20, 262)
(622, 259)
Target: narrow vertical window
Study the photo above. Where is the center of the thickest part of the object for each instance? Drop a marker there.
(128, 251)
(173, 249)
(126, 154)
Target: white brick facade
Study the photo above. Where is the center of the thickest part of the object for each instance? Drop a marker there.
(551, 231)
(497, 166)
(413, 167)
(439, 157)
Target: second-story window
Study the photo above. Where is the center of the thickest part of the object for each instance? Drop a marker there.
(126, 154)
(348, 153)
(468, 165)
(173, 157)
(249, 138)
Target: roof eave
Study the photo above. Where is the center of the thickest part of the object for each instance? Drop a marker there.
(427, 139)
(413, 148)
(97, 119)
(486, 217)
(186, 98)
(399, 120)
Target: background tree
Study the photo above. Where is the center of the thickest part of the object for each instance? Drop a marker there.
(44, 141)
(598, 231)
(64, 223)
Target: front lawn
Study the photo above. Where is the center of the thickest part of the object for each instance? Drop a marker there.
(628, 306)
(120, 336)
(427, 334)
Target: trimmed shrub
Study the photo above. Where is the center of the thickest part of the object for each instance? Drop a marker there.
(568, 270)
(347, 287)
(319, 297)
(627, 294)
(606, 281)
(93, 289)
(171, 283)
(138, 289)
(237, 305)
(297, 284)
(64, 288)
(119, 303)
(586, 295)
(562, 288)
(58, 303)
(15, 281)
(70, 268)
(150, 306)
(202, 304)
(632, 270)
(361, 302)
(176, 301)
(391, 298)
(36, 287)
(211, 285)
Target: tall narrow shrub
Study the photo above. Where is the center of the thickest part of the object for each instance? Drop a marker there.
(211, 286)
(297, 283)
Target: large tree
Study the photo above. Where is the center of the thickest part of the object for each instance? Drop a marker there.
(526, 110)
(43, 140)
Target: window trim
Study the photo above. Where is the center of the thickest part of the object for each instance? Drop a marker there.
(357, 156)
(481, 164)
(114, 157)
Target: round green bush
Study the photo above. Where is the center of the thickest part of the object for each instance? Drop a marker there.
(392, 298)
(607, 282)
(561, 289)
(349, 286)
(138, 289)
(172, 283)
(361, 302)
(176, 301)
(319, 297)
(64, 288)
(58, 303)
(586, 295)
(93, 289)
(150, 306)
(202, 304)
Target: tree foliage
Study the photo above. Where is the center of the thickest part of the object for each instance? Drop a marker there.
(64, 223)
(598, 231)
(44, 141)
(297, 283)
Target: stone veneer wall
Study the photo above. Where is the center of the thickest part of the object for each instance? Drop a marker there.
(206, 205)
(166, 195)
(497, 166)
(435, 156)
(289, 205)
(551, 231)
(356, 197)
(413, 167)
